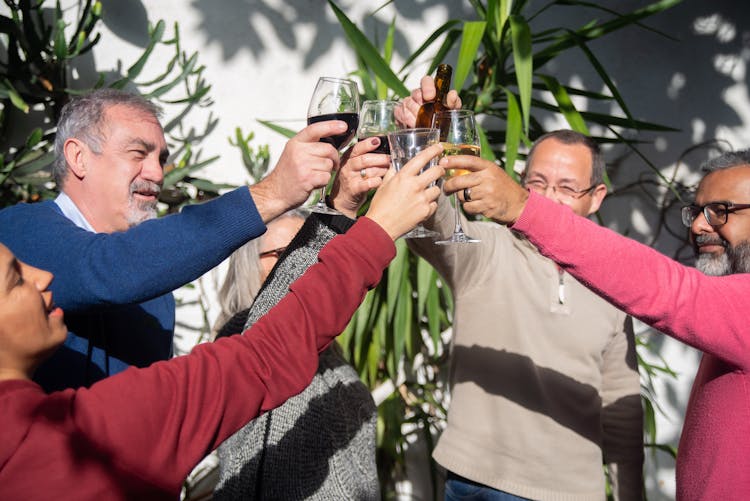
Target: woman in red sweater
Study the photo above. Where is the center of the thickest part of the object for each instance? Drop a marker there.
(137, 434)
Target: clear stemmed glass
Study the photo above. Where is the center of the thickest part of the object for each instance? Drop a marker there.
(458, 133)
(376, 119)
(405, 144)
(334, 99)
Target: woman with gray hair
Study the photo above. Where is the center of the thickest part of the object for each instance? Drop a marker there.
(319, 445)
(251, 264)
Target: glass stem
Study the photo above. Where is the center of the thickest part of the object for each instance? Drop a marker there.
(322, 199)
(457, 206)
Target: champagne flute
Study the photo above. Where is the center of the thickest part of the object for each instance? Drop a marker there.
(405, 144)
(458, 133)
(334, 99)
(376, 120)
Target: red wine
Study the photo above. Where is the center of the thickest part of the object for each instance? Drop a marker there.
(384, 147)
(338, 140)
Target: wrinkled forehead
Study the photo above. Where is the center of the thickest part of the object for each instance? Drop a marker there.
(125, 125)
(554, 160)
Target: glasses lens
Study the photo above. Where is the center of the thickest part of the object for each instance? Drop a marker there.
(689, 214)
(566, 191)
(535, 184)
(716, 213)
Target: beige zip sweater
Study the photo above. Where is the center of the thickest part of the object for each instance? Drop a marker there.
(544, 380)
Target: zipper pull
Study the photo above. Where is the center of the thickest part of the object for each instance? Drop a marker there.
(560, 286)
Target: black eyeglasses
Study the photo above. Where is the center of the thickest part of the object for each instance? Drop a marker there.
(273, 252)
(716, 213)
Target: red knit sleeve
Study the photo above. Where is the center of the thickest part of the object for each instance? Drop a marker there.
(705, 312)
(159, 422)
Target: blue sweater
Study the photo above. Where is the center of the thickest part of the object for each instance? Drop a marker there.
(115, 289)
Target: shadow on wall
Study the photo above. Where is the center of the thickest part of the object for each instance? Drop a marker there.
(696, 83)
(127, 19)
(680, 80)
(240, 31)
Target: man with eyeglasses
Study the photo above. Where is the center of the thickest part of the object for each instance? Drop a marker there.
(706, 312)
(544, 379)
(718, 220)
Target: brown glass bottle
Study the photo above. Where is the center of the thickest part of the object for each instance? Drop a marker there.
(442, 85)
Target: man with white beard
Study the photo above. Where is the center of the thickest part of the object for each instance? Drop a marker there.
(721, 237)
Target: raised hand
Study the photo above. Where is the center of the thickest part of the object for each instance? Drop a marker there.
(492, 192)
(304, 165)
(407, 198)
(360, 172)
(406, 111)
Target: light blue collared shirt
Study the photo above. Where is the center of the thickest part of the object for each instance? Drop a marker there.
(70, 210)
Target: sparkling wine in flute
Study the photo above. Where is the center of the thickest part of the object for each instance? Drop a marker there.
(338, 140)
(458, 134)
(459, 149)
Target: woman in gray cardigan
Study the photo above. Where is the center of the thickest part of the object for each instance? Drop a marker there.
(319, 445)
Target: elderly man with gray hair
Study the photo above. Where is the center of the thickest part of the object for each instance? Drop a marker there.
(115, 264)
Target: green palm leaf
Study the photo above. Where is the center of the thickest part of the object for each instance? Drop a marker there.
(367, 51)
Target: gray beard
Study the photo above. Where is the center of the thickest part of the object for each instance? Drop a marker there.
(141, 210)
(734, 260)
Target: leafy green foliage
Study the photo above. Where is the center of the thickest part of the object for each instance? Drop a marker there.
(39, 52)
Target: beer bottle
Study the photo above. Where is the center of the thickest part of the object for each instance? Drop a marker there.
(442, 85)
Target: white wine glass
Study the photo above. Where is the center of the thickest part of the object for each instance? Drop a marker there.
(334, 99)
(405, 144)
(458, 133)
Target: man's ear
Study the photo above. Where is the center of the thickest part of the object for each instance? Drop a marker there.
(75, 151)
(597, 197)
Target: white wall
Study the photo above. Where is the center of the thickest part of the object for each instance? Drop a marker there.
(263, 58)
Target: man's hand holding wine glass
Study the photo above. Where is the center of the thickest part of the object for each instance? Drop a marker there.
(334, 99)
(304, 165)
(494, 194)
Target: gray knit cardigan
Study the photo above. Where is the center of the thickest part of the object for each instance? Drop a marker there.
(320, 444)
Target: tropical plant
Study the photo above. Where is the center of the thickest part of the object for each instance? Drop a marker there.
(395, 339)
(41, 47)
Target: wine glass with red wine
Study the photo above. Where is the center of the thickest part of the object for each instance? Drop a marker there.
(376, 120)
(334, 99)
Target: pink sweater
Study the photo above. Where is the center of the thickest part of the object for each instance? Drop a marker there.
(137, 435)
(708, 313)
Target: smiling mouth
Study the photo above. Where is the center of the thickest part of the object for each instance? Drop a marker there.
(710, 248)
(147, 194)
